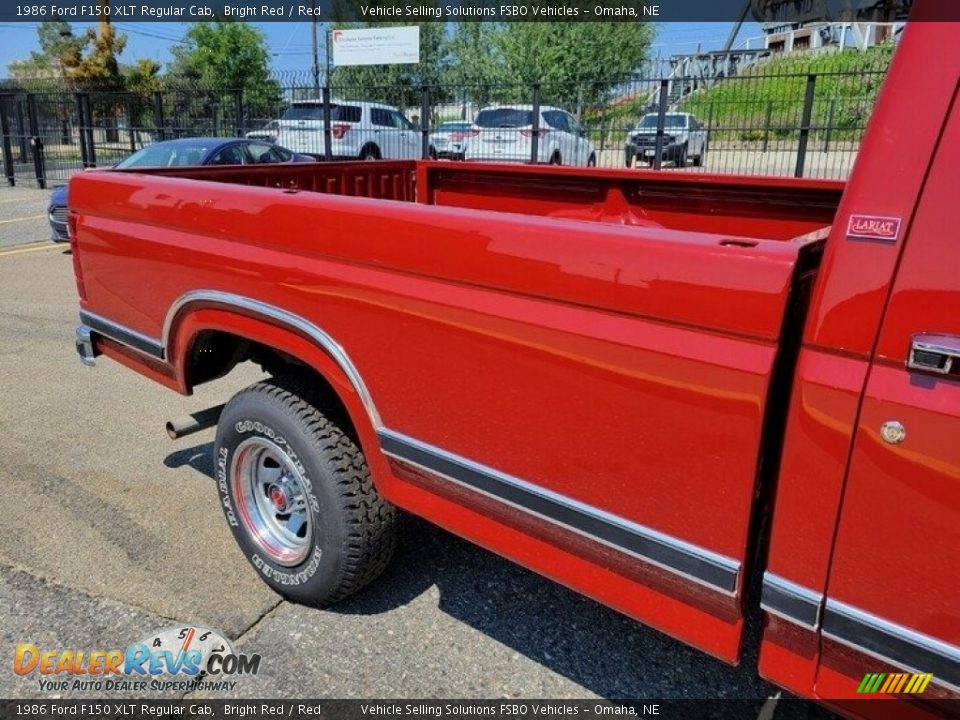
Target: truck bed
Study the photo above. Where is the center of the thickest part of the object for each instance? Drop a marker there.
(745, 207)
(710, 252)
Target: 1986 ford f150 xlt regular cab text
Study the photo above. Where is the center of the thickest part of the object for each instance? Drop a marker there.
(696, 398)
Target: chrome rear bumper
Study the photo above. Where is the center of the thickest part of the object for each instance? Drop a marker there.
(85, 348)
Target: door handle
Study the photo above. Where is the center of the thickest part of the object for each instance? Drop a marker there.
(930, 352)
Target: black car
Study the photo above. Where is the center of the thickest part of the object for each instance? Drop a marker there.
(182, 153)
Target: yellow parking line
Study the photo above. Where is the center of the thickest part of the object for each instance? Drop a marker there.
(34, 248)
(23, 219)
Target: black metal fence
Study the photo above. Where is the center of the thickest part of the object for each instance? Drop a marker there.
(801, 116)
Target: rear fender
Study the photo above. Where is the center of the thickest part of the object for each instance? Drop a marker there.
(316, 351)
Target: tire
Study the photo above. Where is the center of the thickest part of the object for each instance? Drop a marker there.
(555, 159)
(275, 451)
(370, 152)
(628, 160)
(698, 160)
(592, 161)
(681, 159)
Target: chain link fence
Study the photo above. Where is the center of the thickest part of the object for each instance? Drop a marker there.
(801, 115)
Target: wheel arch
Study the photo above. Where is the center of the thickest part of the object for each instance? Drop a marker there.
(246, 327)
(370, 143)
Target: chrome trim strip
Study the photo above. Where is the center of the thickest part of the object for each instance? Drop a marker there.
(122, 334)
(790, 601)
(216, 298)
(695, 563)
(889, 642)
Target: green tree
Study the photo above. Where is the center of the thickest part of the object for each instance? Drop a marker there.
(100, 63)
(474, 65)
(576, 62)
(88, 57)
(224, 57)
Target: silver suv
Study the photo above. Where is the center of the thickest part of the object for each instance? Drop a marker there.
(504, 133)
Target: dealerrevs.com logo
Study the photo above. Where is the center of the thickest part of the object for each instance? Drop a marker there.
(175, 659)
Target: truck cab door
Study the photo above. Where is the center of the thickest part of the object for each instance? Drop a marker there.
(892, 596)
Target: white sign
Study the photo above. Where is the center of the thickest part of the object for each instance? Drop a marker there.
(376, 46)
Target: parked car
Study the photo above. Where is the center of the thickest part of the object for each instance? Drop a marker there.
(365, 130)
(268, 132)
(447, 140)
(504, 133)
(181, 153)
(684, 137)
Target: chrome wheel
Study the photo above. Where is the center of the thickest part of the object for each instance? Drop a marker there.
(271, 497)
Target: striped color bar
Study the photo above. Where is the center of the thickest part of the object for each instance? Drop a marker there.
(893, 683)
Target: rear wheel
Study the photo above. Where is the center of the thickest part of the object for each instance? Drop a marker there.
(699, 160)
(628, 160)
(681, 159)
(298, 495)
(555, 159)
(370, 152)
(592, 161)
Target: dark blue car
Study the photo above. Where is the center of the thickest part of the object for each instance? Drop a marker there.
(182, 153)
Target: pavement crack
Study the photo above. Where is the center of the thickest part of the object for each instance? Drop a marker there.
(43, 579)
(263, 616)
(192, 694)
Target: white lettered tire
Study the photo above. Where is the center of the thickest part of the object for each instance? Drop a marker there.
(298, 495)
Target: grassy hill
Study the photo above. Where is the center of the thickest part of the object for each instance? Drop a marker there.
(766, 101)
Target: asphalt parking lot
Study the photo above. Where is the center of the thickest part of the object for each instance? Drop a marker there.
(23, 216)
(110, 531)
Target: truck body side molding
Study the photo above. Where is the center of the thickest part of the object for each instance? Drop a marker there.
(123, 335)
(790, 601)
(887, 641)
(861, 631)
(698, 564)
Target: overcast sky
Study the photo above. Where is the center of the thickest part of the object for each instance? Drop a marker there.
(290, 43)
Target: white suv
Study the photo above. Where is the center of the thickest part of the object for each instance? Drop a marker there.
(504, 133)
(364, 130)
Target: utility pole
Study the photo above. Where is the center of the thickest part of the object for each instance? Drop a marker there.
(735, 30)
(316, 50)
(104, 17)
(327, 58)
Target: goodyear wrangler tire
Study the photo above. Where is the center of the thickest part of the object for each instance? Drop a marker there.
(298, 495)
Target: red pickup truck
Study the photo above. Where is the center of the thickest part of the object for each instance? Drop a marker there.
(699, 399)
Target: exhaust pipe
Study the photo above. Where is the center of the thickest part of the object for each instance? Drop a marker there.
(181, 427)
